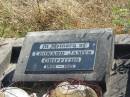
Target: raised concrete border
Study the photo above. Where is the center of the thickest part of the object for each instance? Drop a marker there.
(5, 54)
(117, 84)
(122, 39)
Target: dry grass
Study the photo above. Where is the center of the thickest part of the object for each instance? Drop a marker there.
(20, 16)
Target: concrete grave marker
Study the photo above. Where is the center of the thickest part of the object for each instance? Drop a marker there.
(58, 55)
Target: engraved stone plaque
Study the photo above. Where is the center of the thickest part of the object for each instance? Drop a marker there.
(63, 57)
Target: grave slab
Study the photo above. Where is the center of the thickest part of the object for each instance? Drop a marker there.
(84, 54)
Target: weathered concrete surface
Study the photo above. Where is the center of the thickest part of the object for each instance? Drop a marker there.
(103, 37)
(122, 39)
(117, 83)
(12, 41)
(5, 54)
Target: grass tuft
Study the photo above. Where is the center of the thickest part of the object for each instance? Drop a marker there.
(20, 16)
